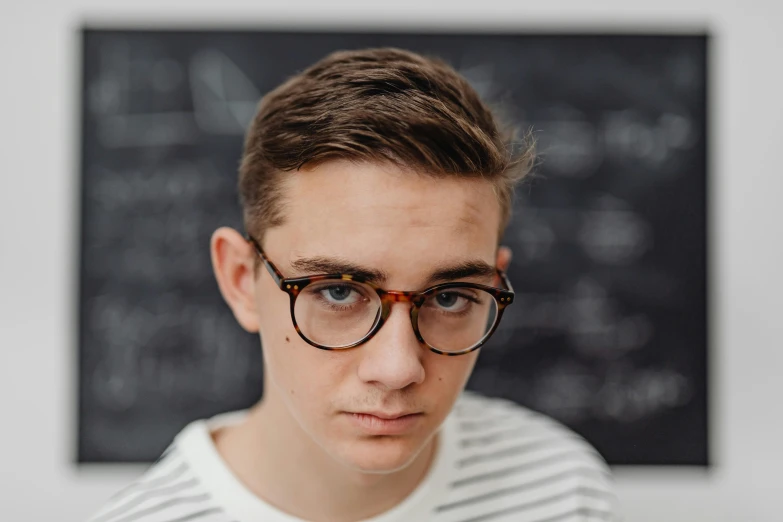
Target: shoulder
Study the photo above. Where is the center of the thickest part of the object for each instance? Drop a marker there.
(495, 419)
(508, 457)
(168, 491)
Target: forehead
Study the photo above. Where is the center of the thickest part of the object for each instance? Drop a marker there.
(380, 214)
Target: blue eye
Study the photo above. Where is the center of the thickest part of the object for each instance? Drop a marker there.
(454, 300)
(447, 299)
(339, 293)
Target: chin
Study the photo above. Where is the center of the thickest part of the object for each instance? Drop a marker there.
(381, 455)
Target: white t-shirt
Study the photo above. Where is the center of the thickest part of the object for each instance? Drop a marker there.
(495, 461)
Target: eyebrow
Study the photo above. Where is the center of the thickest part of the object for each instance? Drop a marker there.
(465, 269)
(325, 265)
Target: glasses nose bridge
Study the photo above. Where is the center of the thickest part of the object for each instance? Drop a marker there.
(389, 297)
(415, 299)
(392, 296)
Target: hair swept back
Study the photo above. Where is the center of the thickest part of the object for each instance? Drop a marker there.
(375, 105)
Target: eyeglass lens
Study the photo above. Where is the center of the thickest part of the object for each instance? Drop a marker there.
(338, 313)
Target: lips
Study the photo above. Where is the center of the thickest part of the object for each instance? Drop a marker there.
(384, 423)
(385, 416)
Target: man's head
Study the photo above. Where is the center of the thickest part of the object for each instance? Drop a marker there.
(381, 162)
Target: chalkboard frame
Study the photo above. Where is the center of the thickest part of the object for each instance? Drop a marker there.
(703, 459)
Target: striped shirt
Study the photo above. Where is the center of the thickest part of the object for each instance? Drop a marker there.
(495, 461)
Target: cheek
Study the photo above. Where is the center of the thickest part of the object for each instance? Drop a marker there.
(301, 375)
(447, 376)
(293, 366)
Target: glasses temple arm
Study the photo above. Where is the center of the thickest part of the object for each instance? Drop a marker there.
(277, 277)
(505, 280)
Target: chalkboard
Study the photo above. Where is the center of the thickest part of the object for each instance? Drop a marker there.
(608, 333)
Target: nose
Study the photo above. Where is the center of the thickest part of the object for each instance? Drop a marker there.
(393, 358)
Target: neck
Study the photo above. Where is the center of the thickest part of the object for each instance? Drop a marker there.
(280, 463)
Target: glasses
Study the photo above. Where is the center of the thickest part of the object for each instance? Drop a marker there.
(340, 311)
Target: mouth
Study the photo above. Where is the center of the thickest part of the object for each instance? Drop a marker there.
(384, 423)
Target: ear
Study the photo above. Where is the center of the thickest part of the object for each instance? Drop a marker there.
(504, 258)
(233, 264)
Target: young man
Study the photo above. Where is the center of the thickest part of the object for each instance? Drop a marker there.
(375, 188)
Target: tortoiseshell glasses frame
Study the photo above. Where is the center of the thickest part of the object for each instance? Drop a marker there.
(293, 286)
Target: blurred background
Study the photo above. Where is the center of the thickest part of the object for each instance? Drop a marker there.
(645, 247)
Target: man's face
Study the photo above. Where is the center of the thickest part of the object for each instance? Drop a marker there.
(407, 226)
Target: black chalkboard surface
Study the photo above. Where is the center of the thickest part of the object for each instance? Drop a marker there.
(609, 330)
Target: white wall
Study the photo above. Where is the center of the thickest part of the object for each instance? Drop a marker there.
(38, 82)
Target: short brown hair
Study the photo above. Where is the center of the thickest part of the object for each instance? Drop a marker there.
(374, 105)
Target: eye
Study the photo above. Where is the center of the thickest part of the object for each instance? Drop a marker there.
(447, 299)
(453, 301)
(342, 294)
(337, 294)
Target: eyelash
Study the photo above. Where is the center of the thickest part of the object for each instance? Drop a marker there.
(334, 306)
(461, 312)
